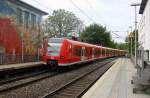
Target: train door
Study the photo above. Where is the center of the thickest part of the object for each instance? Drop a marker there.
(83, 54)
(93, 53)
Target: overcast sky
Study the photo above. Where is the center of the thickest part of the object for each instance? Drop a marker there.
(116, 15)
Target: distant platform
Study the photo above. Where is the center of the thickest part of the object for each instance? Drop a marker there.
(116, 82)
(19, 66)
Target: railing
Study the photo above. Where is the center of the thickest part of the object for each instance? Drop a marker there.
(14, 59)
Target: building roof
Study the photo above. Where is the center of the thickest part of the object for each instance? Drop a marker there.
(142, 7)
(28, 6)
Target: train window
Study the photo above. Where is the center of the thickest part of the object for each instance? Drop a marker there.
(77, 52)
(98, 52)
(113, 52)
(95, 52)
(53, 50)
(103, 51)
(55, 40)
(109, 52)
(106, 51)
(90, 52)
(83, 53)
(2, 50)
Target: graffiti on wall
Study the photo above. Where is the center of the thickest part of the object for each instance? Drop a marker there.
(9, 37)
(14, 35)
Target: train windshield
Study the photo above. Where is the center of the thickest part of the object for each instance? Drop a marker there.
(54, 45)
(53, 49)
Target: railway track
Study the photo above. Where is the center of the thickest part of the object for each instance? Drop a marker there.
(13, 83)
(16, 78)
(54, 85)
(78, 86)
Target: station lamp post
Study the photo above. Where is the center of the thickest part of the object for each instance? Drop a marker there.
(130, 36)
(135, 6)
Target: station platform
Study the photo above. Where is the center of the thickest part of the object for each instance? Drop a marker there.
(19, 66)
(116, 82)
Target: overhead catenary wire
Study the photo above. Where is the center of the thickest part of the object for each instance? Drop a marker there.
(118, 36)
(76, 6)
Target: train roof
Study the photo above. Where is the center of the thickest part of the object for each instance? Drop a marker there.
(81, 43)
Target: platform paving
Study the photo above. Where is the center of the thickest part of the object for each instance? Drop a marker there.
(116, 82)
(19, 66)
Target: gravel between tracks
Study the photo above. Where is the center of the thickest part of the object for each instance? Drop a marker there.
(37, 89)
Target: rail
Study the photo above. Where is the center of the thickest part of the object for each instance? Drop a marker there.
(79, 85)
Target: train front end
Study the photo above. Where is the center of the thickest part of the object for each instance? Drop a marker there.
(51, 56)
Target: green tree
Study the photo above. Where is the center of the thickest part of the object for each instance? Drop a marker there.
(62, 22)
(132, 38)
(122, 46)
(96, 34)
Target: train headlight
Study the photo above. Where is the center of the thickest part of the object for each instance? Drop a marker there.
(62, 57)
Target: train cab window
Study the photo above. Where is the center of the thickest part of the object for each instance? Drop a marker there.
(54, 45)
(53, 49)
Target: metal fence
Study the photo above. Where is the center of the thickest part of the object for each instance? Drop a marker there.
(14, 59)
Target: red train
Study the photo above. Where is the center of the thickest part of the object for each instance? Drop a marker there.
(65, 52)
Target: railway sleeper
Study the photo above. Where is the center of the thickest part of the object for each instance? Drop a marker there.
(70, 91)
(77, 87)
(62, 95)
(56, 96)
(82, 83)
